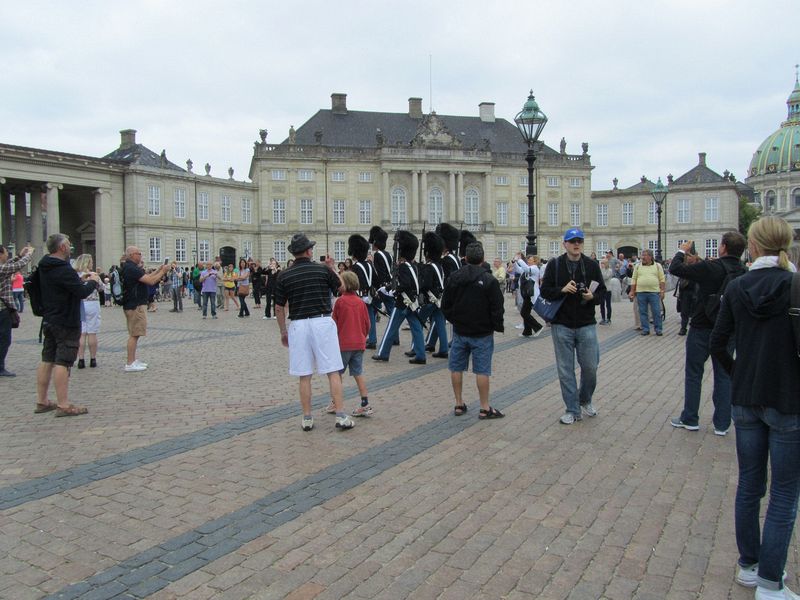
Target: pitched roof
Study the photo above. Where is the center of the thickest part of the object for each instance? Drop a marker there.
(699, 174)
(138, 154)
(644, 185)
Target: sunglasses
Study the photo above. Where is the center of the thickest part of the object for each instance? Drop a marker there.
(575, 241)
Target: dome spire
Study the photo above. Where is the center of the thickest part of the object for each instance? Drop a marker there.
(793, 101)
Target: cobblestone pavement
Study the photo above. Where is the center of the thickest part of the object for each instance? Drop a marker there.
(193, 479)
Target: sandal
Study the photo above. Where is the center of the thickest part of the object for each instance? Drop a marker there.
(492, 413)
(71, 411)
(459, 409)
(43, 408)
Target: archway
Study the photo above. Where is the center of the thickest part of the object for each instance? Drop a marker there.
(227, 255)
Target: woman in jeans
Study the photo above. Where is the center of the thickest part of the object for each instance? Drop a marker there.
(765, 393)
(605, 300)
(243, 280)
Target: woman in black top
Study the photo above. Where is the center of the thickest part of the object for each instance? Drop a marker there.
(270, 277)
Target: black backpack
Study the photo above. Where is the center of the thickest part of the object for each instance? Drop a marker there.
(33, 285)
(711, 305)
(527, 286)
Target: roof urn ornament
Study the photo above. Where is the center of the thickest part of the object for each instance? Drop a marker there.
(292, 135)
(230, 172)
(262, 133)
(563, 146)
(208, 169)
(585, 147)
(189, 165)
(615, 181)
(318, 136)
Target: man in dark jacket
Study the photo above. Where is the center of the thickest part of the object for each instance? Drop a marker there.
(62, 292)
(709, 275)
(577, 280)
(473, 303)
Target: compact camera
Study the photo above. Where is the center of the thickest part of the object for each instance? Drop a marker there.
(581, 287)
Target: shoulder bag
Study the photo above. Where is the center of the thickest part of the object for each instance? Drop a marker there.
(548, 309)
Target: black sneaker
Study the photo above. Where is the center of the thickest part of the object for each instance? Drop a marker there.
(418, 361)
(439, 355)
(93, 363)
(410, 353)
(81, 363)
(371, 346)
(379, 358)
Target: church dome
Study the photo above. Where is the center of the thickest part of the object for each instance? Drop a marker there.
(780, 152)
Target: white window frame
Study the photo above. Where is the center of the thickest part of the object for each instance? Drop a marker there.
(365, 212)
(365, 177)
(523, 181)
(306, 211)
(555, 248)
(225, 209)
(279, 211)
(575, 214)
(247, 249)
(154, 201)
(338, 176)
(712, 248)
(247, 211)
(523, 214)
(680, 243)
(501, 180)
(279, 250)
(180, 203)
(711, 209)
(652, 213)
(435, 205)
(502, 250)
(628, 214)
(575, 182)
(339, 251)
(601, 247)
(683, 211)
(202, 206)
(472, 207)
(204, 251)
(278, 174)
(180, 250)
(502, 214)
(155, 249)
(601, 215)
(305, 175)
(338, 212)
(399, 206)
(553, 181)
(552, 214)
(651, 245)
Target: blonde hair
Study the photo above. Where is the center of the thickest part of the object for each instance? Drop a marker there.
(350, 280)
(83, 263)
(773, 236)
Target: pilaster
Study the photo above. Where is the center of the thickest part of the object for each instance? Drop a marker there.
(53, 214)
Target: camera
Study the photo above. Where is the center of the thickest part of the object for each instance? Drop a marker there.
(581, 287)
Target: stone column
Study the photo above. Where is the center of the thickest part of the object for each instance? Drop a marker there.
(386, 205)
(414, 217)
(37, 233)
(53, 215)
(460, 196)
(103, 230)
(423, 197)
(20, 221)
(450, 215)
(487, 198)
(5, 214)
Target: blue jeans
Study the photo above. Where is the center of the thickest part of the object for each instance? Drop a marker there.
(388, 304)
(392, 329)
(19, 298)
(653, 301)
(5, 336)
(569, 343)
(210, 298)
(697, 353)
(764, 434)
(438, 328)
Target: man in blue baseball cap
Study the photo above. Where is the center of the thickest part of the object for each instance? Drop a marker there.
(578, 281)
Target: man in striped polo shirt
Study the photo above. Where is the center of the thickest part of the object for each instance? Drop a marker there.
(311, 336)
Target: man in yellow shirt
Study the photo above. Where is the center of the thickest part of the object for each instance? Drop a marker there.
(647, 287)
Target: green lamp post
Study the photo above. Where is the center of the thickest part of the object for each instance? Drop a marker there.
(530, 122)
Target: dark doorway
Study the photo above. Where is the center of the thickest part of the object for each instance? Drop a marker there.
(227, 256)
(628, 251)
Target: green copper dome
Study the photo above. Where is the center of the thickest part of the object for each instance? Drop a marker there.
(781, 150)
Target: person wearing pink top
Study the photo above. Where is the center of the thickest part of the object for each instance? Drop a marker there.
(18, 289)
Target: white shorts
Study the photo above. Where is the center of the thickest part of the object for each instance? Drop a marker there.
(91, 317)
(313, 342)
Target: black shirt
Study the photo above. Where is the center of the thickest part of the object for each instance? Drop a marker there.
(135, 291)
(307, 286)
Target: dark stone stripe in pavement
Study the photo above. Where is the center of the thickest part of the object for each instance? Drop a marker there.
(155, 568)
(61, 481)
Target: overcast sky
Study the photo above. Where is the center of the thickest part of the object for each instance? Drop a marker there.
(647, 84)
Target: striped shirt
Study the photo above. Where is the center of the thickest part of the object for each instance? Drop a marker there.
(7, 271)
(307, 287)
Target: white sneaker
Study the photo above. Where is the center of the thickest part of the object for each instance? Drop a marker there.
(538, 332)
(589, 410)
(140, 363)
(308, 423)
(720, 432)
(344, 422)
(264, 318)
(363, 411)
(748, 576)
(567, 418)
(133, 367)
(784, 594)
(520, 326)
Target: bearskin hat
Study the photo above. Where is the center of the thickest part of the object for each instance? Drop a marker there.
(357, 247)
(407, 244)
(449, 234)
(378, 237)
(466, 238)
(433, 245)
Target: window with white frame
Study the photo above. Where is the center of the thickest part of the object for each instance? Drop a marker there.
(365, 177)
(501, 180)
(652, 246)
(225, 209)
(365, 212)
(712, 210)
(202, 206)
(712, 248)
(435, 206)
(180, 203)
(553, 181)
(153, 200)
(523, 214)
(338, 212)
(278, 174)
(680, 243)
(155, 249)
(523, 246)
(523, 180)
(306, 211)
(337, 176)
(575, 182)
(339, 251)
(279, 250)
(652, 213)
(601, 247)
(627, 213)
(575, 214)
(279, 211)
(502, 250)
(502, 213)
(180, 250)
(683, 210)
(472, 207)
(555, 248)
(204, 251)
(305, 175)
(247, 211)
(552, 214)
(398, 202)
(247, 249)
(602, 215)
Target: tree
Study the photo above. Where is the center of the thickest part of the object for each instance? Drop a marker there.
(748, 213)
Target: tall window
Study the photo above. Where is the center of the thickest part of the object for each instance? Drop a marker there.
(338, 176)
(552, 213)
(712, 209)
(247, 249)
(204, 251)
(712, 248)
(339, 251)
(471, 207)
(202, 206)
(601, 248)
(652, 213)
(680, 243)
(501, 180)
(553, 181)
(555, 248)
(247, 211)
(180, 250)
(771, 198)
(523, 214)
(365, 177)
(602, 215)
(502, 213)
(278, 211)
(651, 245)
(153, 200)
(502, 250)
(305, 175)
(435, 206)
(279, 250)
(683, 208)
(575, 182)
(338, 212)
(225, 209)
(575, 214)
(180, 203)
(306, 211)
(523, 181)
(796, 197)
(627, 213)
(398, 206)
(155, 249)
(278, 175)
(365, 212)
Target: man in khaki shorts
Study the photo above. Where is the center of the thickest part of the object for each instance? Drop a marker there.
(134, 302)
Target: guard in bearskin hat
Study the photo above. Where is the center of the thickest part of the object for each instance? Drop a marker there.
(450, 235)
(382, 263)
(358, 248)
(433, 281)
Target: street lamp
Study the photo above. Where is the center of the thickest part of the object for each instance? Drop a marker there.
(530, 122)
(659, 195)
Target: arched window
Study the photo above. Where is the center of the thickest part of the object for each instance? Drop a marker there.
(399, 218)
(471, 207)
(796, 198)
(435, 206)
(770, 202)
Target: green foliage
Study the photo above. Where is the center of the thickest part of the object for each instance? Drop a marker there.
(747, 214)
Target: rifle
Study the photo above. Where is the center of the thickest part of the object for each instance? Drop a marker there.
(422, 243)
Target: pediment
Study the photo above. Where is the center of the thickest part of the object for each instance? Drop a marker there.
(433, 133)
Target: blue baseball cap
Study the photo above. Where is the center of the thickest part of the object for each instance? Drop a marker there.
(573, 233)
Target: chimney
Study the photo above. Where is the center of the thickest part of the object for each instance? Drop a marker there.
(702, 156)
(127, 138)
(339, 104)
(415, 108)
(486, 111)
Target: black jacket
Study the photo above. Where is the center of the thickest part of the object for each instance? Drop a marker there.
(709, 275)
(574, 312)
(62, 292)
(755, 311)
(473, 302)
(382, 261)
(408, 281)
